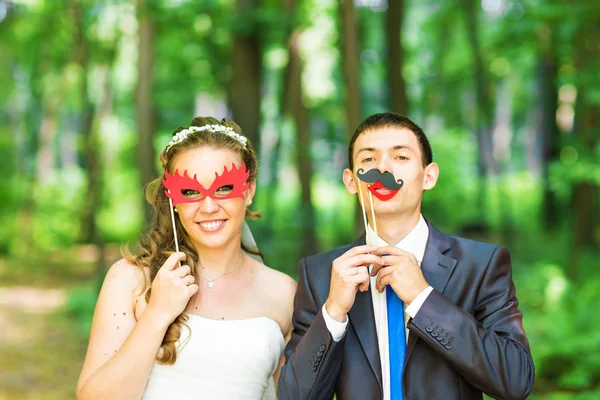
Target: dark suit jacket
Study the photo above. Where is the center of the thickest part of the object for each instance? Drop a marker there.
(466, 339)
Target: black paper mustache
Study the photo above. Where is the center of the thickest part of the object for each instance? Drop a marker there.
(386, 178)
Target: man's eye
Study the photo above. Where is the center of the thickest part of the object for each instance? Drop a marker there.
(368, 159)
(402, 158)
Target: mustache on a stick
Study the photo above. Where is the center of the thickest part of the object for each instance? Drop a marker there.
(375, 175)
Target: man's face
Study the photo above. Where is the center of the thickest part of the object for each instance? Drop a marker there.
(395, 150)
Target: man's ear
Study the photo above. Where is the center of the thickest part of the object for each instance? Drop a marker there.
(430, 177)
(349, 181)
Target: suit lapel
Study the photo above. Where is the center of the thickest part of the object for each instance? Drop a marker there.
(362, 320)
(437, 268)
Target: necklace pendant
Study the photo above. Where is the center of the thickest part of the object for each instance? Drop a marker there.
(210, 284)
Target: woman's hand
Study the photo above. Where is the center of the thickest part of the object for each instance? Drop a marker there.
(172, 289)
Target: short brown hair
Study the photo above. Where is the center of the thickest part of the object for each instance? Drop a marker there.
(386, 120)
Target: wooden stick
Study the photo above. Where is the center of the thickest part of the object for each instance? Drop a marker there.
(373, 213)
(364, 214)
(174, 227)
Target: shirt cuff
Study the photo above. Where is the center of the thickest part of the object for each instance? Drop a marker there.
(337, 329)
(416, 304)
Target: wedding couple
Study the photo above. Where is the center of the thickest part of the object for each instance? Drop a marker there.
(404, 312)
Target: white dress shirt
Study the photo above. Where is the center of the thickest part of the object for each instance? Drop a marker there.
(415, 243)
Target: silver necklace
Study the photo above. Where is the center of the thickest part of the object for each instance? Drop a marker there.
(210, 283)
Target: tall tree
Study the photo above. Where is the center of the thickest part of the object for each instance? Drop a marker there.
(36, 63)
(482, 88)
(397, 84)
(483, 106)
(587, 118)
(144, 105)
(90, 157)
(350, 58)
(297, 109)
(548, 132)
(246, 79)
(47, 134)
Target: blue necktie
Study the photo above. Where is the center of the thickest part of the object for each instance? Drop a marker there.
(397, 342)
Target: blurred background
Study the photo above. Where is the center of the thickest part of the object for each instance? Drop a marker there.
(90, 91)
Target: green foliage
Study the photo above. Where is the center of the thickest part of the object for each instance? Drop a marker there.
(556, 313)
(575, 165)
(452, 201)
(58, 204)
(42, 78)
(283, 219)
(81, 303)
(11, 188)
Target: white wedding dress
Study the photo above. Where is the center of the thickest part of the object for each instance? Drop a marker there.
(221, 360)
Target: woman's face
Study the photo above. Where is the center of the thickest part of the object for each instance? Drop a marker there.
(212, 214)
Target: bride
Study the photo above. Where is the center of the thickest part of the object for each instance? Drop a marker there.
(207, 321)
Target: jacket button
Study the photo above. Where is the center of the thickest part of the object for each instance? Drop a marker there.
(448, 346)
(434, 333)
(322, 347)
(319, 358)
(429, 328)
(314, 367)
(444, 341)
(320, 353)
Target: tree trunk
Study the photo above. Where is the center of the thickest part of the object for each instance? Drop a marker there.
(46, 155)
(90, 140)
(144, 104)
(299, 113)
(547, 128)
(397, 84)
(246, 79)
(27, 164)
(91, 145)
(585, 204)
(350, 58)
(483, 104)
(502, 138)
(587, 118)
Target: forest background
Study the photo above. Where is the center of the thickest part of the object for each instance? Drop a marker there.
(507, 91)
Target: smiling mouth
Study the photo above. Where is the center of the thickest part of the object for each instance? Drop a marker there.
(381, 192)
(211, 226)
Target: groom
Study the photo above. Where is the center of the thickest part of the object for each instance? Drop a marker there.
(418, 314)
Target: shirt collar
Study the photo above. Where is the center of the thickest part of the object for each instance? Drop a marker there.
(414, 242)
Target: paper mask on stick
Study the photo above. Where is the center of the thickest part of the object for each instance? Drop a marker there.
(183, 189)
(380, 180)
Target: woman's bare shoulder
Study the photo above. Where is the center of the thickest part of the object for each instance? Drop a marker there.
(280, 283)
(125, 275)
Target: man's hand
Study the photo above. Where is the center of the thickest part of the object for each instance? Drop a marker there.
(401, 271)
(349, 274)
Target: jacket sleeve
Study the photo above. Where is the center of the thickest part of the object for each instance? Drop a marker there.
(489, 347)
(313, 358)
